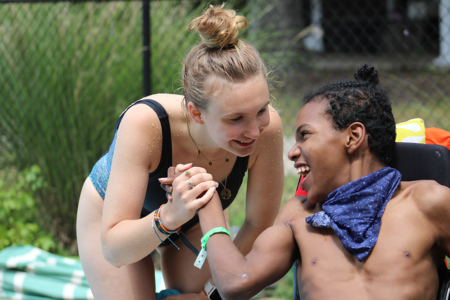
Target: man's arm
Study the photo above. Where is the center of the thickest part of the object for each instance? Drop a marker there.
(239, 277)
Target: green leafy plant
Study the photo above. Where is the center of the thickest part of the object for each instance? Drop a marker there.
(18, 214)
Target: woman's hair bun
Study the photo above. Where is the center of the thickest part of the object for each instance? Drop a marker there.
(218, 27)
(367, 73)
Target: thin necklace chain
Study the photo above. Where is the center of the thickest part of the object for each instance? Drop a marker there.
(200, 152)
(226, 193)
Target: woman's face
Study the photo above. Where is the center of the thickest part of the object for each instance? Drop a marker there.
(237, 114)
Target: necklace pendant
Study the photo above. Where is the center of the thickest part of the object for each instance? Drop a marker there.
(225, 194)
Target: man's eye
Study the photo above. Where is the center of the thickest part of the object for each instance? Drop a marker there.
(303, 133)
(235, 119)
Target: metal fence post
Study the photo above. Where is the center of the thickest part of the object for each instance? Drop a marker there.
(146, 47)
(444, 33)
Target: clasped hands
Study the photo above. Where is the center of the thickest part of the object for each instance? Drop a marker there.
(187, 189)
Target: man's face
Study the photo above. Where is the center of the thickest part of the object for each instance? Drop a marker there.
(319, 153)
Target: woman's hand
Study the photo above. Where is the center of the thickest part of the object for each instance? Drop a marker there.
(172, 173)
(191, 188)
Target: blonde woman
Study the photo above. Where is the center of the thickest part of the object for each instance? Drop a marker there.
(222, 125)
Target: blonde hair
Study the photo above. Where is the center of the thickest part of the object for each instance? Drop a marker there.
(220, 55)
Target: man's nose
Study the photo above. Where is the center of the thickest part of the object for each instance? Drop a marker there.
(294, 153)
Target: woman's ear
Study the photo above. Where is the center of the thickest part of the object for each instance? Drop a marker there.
(195, 114)
(356, 137)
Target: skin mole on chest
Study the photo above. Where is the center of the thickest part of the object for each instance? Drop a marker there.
(407, 254)
(314, 261)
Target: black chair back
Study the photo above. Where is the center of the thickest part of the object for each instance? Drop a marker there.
(421, 161)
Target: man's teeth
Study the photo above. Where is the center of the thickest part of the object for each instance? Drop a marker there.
(246, 142)
(303, 170)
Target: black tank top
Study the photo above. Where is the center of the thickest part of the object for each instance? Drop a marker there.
(155, 195)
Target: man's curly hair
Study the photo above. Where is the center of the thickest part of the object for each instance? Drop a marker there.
(361, 100)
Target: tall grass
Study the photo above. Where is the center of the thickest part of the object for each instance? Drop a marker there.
(170, 41)
(62, 86)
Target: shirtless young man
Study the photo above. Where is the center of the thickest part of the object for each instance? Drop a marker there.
(344, 139)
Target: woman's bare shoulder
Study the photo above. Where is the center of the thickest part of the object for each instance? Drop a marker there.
(139, 117)
(140, 134)
(140, 114)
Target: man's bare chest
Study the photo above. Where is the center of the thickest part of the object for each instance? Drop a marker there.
(402, 253)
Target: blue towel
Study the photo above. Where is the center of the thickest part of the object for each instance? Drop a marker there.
(354, 210)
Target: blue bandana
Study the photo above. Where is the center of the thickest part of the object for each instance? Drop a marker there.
(354, 210)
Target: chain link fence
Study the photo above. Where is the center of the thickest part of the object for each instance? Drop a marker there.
(408, 42)
(67, 70)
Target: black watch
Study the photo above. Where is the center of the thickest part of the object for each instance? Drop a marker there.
(211, 291)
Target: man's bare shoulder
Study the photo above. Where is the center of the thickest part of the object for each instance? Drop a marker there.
(428, 195)
(294, 208)
(431, 199)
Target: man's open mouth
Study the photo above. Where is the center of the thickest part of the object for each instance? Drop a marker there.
(303, 170)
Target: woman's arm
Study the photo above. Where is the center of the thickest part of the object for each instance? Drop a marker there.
(265, 184)
(126, 238)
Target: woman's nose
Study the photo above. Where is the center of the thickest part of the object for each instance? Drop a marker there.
(253, 131)
(258, 125)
